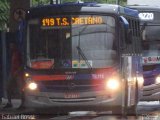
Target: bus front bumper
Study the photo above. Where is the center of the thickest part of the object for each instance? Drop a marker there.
(49, 100)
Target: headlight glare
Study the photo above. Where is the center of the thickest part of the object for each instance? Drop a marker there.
(157, 79)
(113, 84)
(27, 74)
(32, 86)
(140, 80)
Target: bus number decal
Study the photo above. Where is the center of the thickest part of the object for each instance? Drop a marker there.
(146, 16)
(98, 76)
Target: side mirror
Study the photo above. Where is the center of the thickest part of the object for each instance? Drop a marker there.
(128, 32)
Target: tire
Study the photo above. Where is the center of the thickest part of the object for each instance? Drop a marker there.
(119, 111)
(132, 111)
(116, 111)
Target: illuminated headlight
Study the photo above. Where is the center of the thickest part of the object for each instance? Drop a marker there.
(32, 86)
(113, 84)
(158, 79)
(140, 80)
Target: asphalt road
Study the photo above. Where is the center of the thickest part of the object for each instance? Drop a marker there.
(146, 111)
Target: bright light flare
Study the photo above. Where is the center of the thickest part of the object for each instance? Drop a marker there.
(157, 79)
(32, 86)
(140, 80)
(27, 75)
(113, 84)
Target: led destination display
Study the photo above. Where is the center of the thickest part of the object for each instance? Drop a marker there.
(65, 21)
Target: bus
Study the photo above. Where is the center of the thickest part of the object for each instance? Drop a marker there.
(150, 29)
(82, 56)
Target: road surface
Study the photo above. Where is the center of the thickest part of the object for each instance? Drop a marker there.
(146, 111)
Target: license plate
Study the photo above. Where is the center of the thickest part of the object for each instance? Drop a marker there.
(71, 95)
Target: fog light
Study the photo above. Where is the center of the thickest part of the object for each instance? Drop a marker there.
(113, 84)
(27, 75)
(32, 86)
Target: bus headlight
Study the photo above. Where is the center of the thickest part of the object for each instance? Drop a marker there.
(113, 84)
(157, 79)
(140, 80)
(32, 86)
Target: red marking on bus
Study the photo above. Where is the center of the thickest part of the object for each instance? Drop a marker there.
(48, 77)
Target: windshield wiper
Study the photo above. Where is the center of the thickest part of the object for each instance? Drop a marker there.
(80, 52)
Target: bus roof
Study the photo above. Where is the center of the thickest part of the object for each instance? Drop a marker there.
(149, 14)
(144, 7)
(74, 8)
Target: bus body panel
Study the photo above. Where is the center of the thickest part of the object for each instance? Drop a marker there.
(150, 25)
(82, 89)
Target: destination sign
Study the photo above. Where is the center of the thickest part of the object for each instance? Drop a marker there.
(151, 60)
(66, 21)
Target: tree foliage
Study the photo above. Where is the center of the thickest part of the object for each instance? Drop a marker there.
(5, 7)
(4, 13)
(39, 2)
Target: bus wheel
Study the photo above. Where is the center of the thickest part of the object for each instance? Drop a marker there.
(116, 112)
(119, 111)
(132, 110)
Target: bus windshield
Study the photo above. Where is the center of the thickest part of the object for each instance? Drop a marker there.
(151, 48)
(151, 44)
(83, 41)
(151, 32)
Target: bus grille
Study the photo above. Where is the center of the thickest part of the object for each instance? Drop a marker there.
(62, 86)
(72, 100)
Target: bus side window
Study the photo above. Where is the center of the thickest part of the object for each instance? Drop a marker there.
(128, 36)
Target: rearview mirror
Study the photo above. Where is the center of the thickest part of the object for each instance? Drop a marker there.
(128, 32)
